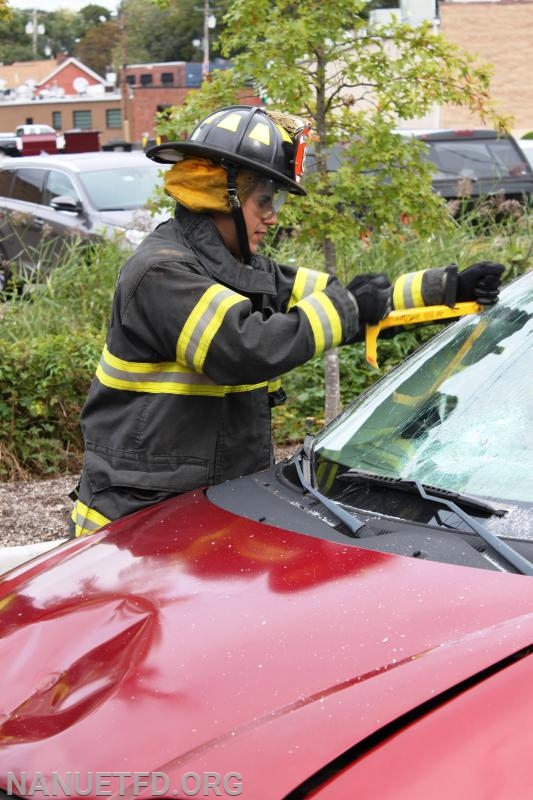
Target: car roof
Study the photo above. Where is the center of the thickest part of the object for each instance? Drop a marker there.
(81, 162)
(452, 133)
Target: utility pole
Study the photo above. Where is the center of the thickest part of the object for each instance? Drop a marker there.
(205, 63)
(124, 87)
(33, 29)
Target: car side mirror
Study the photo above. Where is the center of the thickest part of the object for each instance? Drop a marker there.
(65, 202)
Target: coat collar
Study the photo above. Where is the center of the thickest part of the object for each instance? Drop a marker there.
(203, 238)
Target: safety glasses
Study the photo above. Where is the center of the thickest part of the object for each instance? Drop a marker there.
(268, 198)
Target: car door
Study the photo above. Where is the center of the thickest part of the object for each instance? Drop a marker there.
(34, 234)
(21, 228)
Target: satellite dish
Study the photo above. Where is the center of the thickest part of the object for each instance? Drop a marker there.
(80, 84)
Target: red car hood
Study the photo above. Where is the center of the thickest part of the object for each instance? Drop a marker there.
(185, 638)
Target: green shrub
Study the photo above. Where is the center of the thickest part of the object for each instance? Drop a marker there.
(50, 342)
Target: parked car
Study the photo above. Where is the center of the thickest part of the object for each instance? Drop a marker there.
(9, 144)
(47, 201)
(474, 164)
(356, 621)
(468, 165)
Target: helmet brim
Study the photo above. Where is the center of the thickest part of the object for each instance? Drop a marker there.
(169, 153)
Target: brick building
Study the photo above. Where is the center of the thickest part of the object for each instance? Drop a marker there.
(65, 94)
(154, 87)
(122, 108)
(501, 33)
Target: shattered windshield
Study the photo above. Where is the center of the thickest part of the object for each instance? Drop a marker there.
(457, 415)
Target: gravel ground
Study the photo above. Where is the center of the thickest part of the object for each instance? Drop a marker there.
(35, 511)
(39, 510)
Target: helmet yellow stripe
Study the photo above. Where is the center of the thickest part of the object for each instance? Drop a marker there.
(261, 133)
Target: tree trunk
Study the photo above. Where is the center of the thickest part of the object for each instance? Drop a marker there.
(332, 405)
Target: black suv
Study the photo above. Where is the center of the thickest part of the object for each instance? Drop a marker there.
(477, 163)
(469, 165)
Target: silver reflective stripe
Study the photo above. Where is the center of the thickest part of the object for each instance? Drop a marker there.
(166, 377)
(86, 519)
(324, 320)
(203, 323)
(306, 282)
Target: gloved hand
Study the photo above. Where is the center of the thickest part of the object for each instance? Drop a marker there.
(373, 294)
(480, 282)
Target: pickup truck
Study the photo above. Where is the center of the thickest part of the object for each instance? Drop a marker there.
(9, 144)
(30, 140)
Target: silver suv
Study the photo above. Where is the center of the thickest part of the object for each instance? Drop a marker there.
(45, 201)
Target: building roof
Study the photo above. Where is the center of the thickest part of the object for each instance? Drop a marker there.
(37, 73)
(75, 63)
(16, 74)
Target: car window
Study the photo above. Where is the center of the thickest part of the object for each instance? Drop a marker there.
(441, 417)
(121, 188)
(28, 185)
(481, 159)
(58, 184)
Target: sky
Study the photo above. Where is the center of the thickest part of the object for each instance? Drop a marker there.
(54, 5)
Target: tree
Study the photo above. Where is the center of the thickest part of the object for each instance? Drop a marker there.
(64, 29)
(98, 46)
(355, 82)
(167, 31)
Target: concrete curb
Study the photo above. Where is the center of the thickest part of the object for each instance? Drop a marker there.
(13, 556)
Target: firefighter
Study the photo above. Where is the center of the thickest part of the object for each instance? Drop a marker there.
(202, 326)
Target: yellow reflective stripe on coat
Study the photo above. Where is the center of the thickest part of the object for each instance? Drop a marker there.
(163, 377)
(407, 291)
(203, 323)
(87, 520)
(306, 282)
(324, 320)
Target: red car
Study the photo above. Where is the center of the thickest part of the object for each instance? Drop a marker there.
(355, 622)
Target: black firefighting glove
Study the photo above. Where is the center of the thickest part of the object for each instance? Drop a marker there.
(480, 282)
(446, 286)
(373, 294)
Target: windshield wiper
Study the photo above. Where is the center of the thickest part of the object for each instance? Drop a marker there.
(353, 523)
(440, 496)
(411, 486)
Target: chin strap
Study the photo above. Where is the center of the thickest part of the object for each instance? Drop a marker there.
(236, 212)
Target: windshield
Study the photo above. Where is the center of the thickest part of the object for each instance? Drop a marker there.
(123, 187)
(458, 414)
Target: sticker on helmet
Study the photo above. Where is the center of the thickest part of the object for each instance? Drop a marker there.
(301, 147)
